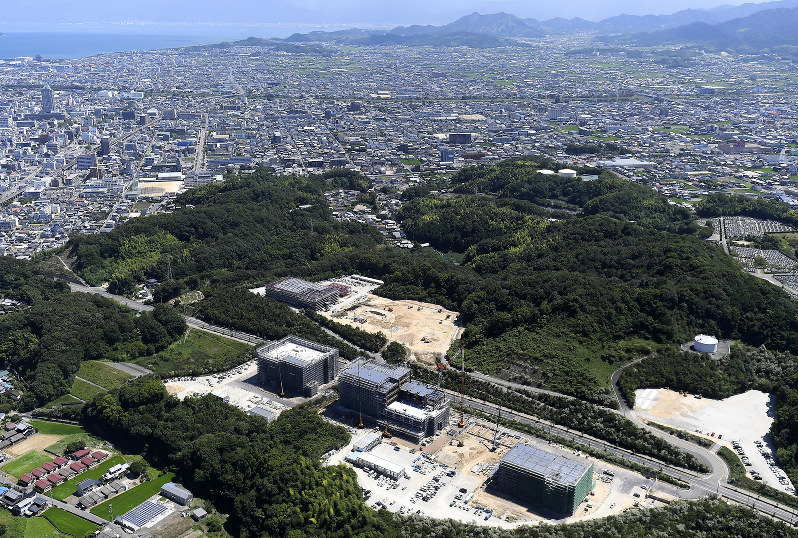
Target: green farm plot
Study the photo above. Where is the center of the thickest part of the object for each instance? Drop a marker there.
(199, 353)
(37, 527)
(26, 463)
(62, 491)
(69, 523)
(56, 428)
(102, 374)
(85, 391)
(124, 502)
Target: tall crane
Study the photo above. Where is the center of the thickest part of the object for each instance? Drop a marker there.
(462, 387)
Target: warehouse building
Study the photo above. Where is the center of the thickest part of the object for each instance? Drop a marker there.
(304, 294)
(369, 441)
(296, 367)
(367, 460)
(544, 479)
(387, 394)
(175, 493)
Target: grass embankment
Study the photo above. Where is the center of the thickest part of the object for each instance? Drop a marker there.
(102, 374)
(85, 391)
(737, 477)
(681, 434)
(26, 463)
(197, 354)
(127, 501)
(69, 523)
(66, 399)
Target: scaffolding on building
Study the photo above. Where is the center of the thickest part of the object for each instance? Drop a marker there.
(540, 477)
(304, 294)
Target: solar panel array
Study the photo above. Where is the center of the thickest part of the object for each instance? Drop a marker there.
(552, 466)
(144, 513)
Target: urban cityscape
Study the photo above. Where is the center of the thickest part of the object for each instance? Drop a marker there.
(404, 283)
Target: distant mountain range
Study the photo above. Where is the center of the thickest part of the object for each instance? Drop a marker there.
(757, 26)
(762, 30)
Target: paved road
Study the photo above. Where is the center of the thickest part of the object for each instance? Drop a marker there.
(700, 485)
(516, 386)
(129, 368)
(192, 322)
(88, 516)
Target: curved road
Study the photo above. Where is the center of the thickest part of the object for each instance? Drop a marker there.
(700, 485)
(713, 483)
(191, 322)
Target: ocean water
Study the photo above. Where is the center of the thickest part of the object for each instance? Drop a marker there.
(75, 43)
(79, 45)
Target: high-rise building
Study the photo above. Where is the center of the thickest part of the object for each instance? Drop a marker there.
(105, 145)
(388, 395)
(295, 366)
(47, 99)
(544, 479)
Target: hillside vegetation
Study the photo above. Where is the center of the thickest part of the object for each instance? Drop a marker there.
(559, 304)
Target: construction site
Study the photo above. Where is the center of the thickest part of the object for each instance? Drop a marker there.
(453, 474)
(425, 329)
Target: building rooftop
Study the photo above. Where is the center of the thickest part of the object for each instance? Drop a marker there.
(552, 466)
(408, 410)
(374, 372)
(388, 465)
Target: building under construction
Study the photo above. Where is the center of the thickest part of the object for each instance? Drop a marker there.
(296, 367)
(388, 395)
(544, 479)
(304, 294)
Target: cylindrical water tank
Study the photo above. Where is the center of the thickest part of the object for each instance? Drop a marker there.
(705, 344)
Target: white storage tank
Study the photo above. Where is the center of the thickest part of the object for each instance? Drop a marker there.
(567, 172)
(705, 344)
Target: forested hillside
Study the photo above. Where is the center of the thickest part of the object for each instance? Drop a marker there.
(552, 303)
(562, 303)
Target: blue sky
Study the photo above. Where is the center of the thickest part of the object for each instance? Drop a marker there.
(375, 13)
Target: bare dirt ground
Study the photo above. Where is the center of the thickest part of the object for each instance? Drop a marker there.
(175, 389)
(39, 441)
(665, 403)
(425, 329)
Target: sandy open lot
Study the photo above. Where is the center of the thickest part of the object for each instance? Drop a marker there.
(425, 329)
(238, 387)
(745, 418)
(37, 442)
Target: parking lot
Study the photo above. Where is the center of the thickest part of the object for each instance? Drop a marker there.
(237, 386)
(743, 419)
(430, 488)
(448, 480)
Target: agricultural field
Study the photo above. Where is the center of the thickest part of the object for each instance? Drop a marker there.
(198, 353)
(55, 428)
(131, 498)
(26, 463)
(37, 527)
(69, 523)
